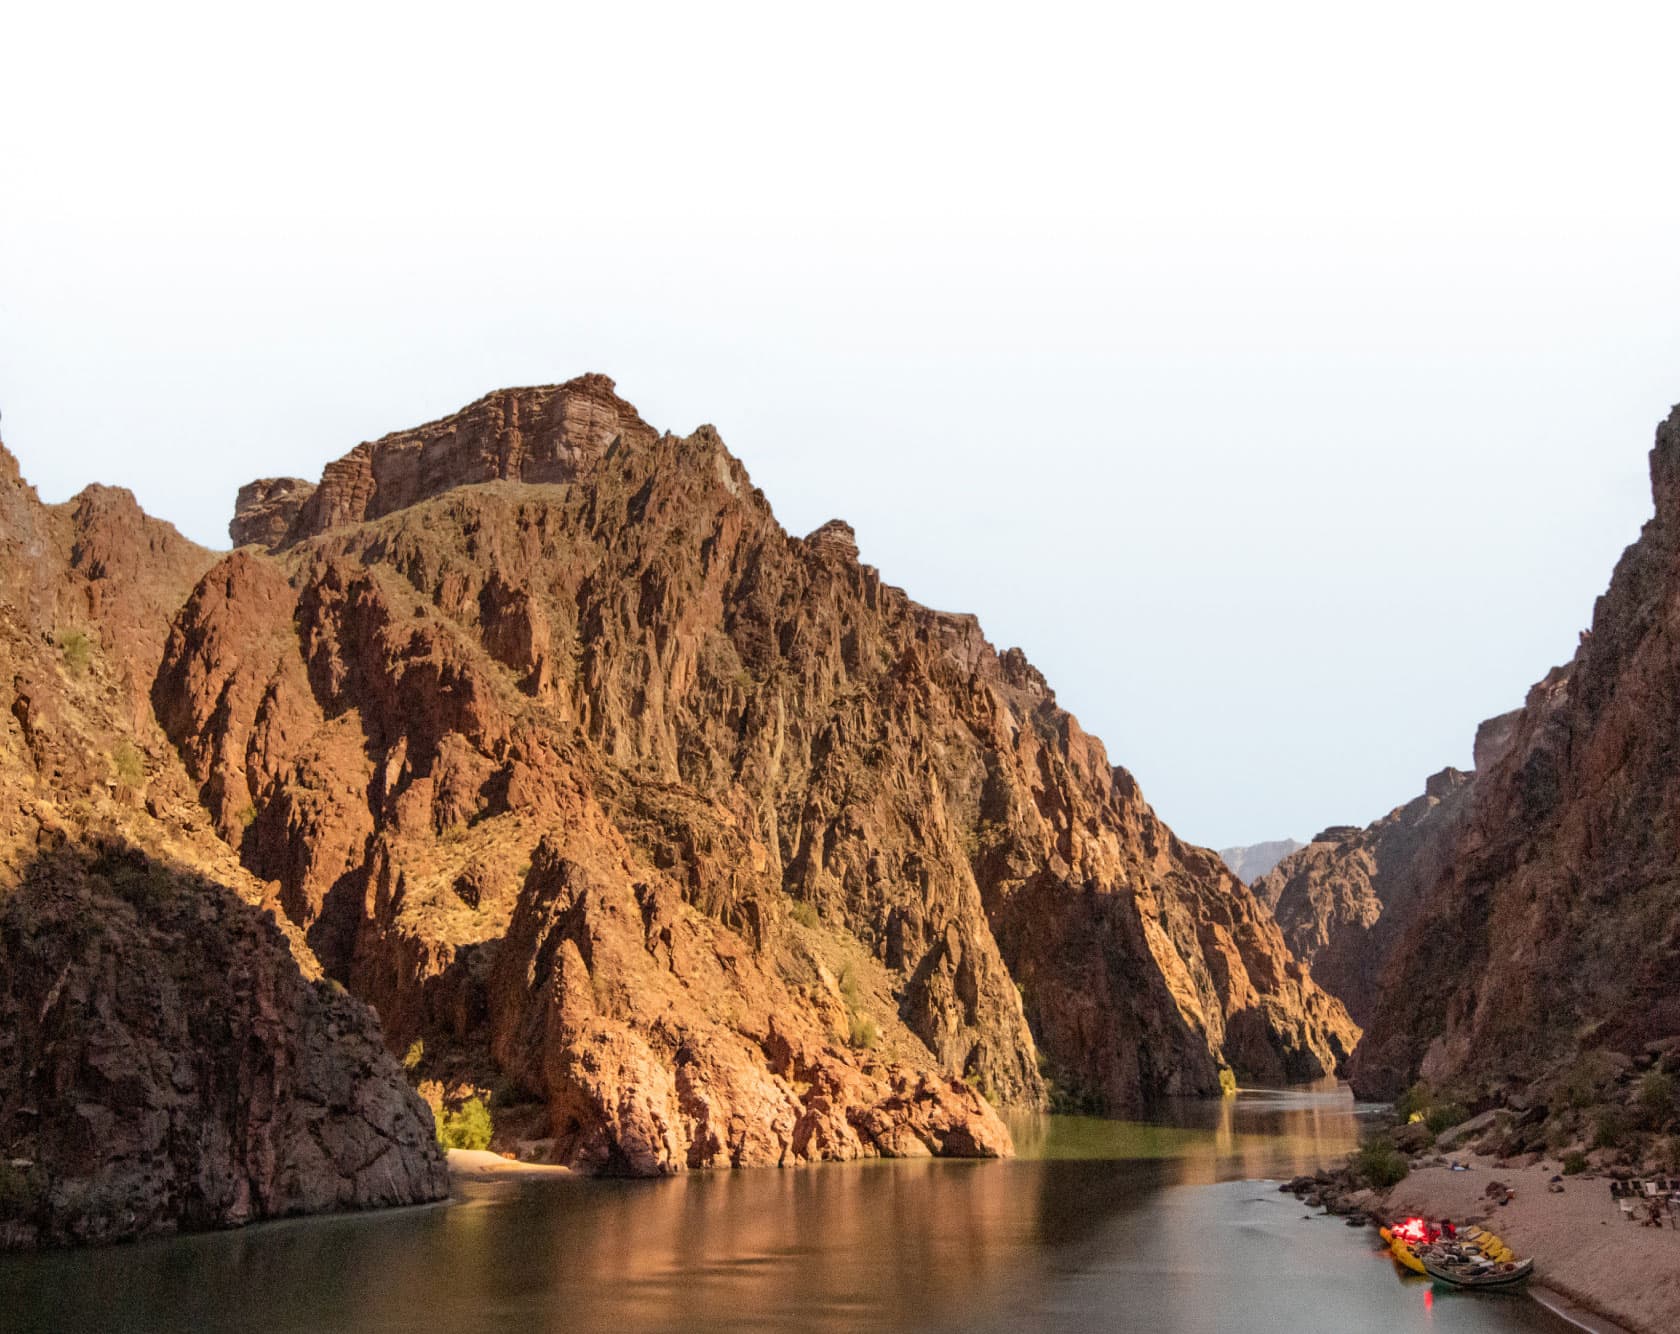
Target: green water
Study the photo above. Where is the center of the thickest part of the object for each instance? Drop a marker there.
(1098, 1225)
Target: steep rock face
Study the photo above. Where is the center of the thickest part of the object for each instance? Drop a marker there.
(702, 833)
(1557, 920)
(1344, 899)
(1249, 863)
(164, 1065)
(266, 510)
(164, 1060)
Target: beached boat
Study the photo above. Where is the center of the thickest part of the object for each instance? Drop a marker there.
(1460, 1270)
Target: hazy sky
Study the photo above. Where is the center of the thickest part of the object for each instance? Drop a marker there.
(1279, 377)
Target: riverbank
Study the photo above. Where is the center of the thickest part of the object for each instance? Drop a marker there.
(482, 1165)
(1582, 1247)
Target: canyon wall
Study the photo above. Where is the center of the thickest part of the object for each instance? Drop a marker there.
(699, 841)
(1554, 925)
(170, 1056)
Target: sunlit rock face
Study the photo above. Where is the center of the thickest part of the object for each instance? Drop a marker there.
(170, 1056)
(1556, 919)
(716, 846)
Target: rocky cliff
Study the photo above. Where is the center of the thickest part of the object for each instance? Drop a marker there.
(1555, 924)
(698, 842)
(1344, 899)
(166, 1060)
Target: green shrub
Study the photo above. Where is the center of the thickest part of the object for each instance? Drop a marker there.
(1656, 1098)
(1610, 1128)
(126, 760)
(1587, 1078)
(804, 912)
(1574, 1163)
(1379, 1165)
(1414, 1102)
(467, 1127)
(1227, 1081)
(415, 1054)
(849, 987)
(865, 1034)
(1446, 1115)
(77, 651)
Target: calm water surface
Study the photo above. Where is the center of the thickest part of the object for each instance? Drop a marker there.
(1098, 1225)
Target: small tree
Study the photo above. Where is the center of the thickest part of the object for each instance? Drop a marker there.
(1656, 1098)
(1380, 1165)
(467, 1127)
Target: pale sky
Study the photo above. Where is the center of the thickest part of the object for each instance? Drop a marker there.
(1279, 377)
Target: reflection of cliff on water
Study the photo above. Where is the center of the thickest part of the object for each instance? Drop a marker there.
(1089, 1223)
(1262, 1133)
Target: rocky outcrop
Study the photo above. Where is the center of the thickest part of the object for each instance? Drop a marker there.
(569, 758)
(543, 435)
(266, 510)
(1344, 899)
(165, 1065)
(165, 1060)
(1556, 922)
(1249, 863)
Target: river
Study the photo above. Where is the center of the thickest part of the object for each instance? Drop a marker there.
(1174, 1227)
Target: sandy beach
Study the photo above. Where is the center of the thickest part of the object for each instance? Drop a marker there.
(482, 1165)
(1583, 1249)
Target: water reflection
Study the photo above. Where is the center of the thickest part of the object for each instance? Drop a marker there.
(1129, 1226)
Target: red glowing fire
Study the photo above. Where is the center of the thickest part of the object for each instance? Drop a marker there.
(1416, 1232)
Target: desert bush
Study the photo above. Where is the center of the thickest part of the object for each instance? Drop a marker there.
(1414, 1102)
(1574, 1163)
(1656, 1098)
(1379, 1165)
(1445, 1115)
(126, 760)
(803, 912)
(415, 1054)
(1583, 1083)
(467, 1127)
(865, 1033)
(1610, 1128)
(76, 650)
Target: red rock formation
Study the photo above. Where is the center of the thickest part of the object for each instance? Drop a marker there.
(1345, 899)
(165, 1060)
(1557, 920)
(722, 846)
(266, 510)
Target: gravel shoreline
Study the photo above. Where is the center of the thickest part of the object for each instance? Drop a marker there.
(1591, 1266)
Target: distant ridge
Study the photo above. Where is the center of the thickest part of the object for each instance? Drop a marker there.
(1250, 863)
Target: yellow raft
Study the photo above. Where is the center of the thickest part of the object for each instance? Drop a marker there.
(1403, 1253)
(1470, 1238)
